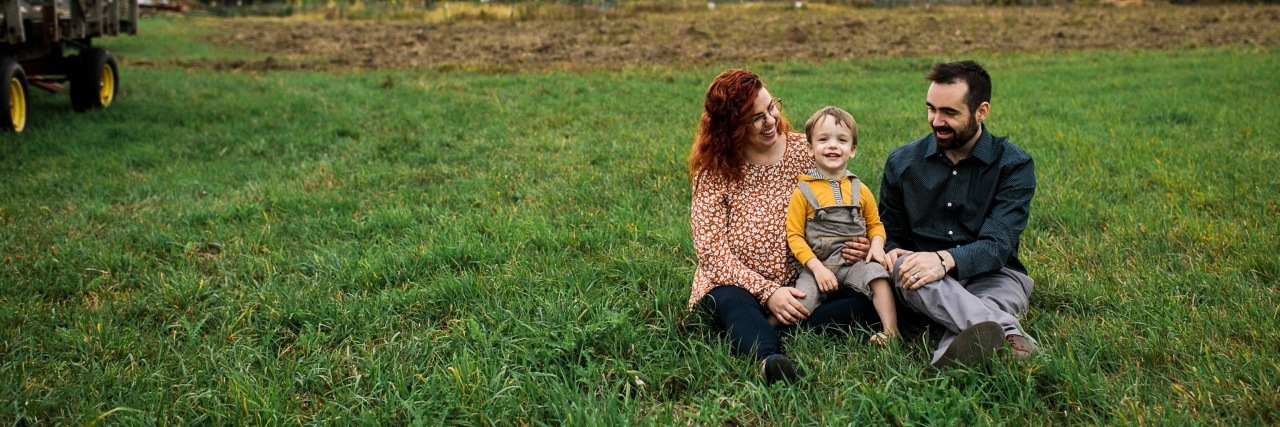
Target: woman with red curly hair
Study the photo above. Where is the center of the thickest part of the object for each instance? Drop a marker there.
(743, 165)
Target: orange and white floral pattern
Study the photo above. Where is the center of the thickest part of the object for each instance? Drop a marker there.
(739, 229)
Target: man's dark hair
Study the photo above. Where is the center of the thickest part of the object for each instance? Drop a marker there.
(964, 71)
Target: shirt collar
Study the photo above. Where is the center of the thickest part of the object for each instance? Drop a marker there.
(984, 151)
(813, 173)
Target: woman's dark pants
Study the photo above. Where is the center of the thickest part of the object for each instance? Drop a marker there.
(743, 318)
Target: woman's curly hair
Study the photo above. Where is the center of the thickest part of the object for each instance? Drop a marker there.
(726, 124)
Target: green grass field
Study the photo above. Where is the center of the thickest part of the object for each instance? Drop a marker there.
(435, 248)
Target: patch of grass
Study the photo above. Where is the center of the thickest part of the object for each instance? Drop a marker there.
(173, 40)
(450, 248)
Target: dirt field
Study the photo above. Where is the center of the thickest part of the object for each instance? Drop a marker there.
(738, 35)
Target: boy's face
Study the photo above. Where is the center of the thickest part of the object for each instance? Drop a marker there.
(832, 146)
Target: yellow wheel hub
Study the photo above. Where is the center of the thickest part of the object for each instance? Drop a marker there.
(107, 87)
(17, 105)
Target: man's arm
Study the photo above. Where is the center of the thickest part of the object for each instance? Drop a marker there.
(892, 212)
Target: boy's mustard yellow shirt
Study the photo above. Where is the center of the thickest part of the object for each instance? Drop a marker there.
(799, 211)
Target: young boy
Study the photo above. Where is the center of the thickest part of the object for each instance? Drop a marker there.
(831, 206)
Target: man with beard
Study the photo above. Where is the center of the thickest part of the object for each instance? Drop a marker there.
(954, 204)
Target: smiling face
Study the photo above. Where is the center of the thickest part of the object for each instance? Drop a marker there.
(833, 144)
(954, 125)
(763, 127)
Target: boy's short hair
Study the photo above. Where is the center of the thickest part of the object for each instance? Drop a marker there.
(842, 118)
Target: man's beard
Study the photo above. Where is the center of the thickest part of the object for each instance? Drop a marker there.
(958, 136)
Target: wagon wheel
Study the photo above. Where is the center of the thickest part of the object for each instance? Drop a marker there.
(13, 94)
(95, 80)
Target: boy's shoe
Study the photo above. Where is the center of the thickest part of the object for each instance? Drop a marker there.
(973, 346)
(778, 367)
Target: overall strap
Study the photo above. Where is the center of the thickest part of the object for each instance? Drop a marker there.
(808, 194)
(855, 191)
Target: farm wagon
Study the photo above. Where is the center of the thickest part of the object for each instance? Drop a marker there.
(34, 51)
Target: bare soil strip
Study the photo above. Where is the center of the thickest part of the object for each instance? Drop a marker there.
(738, 35)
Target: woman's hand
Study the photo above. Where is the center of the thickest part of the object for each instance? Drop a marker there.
(855, 250)
(785, 307)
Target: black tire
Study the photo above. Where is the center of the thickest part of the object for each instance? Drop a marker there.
(95, 80)
(13, 96)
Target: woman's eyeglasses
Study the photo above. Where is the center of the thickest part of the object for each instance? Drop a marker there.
(759, 119)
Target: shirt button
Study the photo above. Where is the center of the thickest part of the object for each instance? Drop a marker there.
(948, 204)
(949, 232)
(953, 173)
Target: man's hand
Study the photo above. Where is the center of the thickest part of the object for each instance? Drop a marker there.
(785, 307)
(825, 278)
(855, 250)
(919, 269)
(893, 255)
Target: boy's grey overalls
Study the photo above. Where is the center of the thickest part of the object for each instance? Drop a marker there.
(826, 233)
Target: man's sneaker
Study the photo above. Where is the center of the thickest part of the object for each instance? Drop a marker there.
(778, 367)
(973, 346)
(1022, 349)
